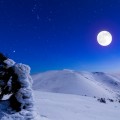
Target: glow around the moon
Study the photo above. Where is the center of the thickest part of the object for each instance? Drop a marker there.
(104, 38)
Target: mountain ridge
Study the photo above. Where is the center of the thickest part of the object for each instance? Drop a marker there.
(81, 83)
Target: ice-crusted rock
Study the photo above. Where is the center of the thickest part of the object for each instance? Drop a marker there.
(9, 63)
(7, 114)
(22, 95)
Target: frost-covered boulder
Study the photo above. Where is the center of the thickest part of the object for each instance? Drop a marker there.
(17, 82)
(7, 114)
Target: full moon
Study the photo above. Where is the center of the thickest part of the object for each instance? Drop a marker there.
(104, 38)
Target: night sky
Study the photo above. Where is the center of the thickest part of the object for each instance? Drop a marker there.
(60, 34)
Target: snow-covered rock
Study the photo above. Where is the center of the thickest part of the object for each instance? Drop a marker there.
(9, 63)
(6, 113)
(20, 105)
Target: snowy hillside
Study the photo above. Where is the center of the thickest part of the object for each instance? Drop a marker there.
(61, 95)
(79, 83)
(57, 106)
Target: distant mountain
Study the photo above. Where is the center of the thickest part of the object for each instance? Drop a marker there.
(80, 83)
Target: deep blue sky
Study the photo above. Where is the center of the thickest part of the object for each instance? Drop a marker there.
(60, 34)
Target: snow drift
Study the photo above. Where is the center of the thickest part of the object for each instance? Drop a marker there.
(57, 106)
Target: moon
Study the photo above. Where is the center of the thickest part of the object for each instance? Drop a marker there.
(104, 38)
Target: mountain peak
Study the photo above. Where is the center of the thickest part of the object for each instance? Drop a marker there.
(81, 83)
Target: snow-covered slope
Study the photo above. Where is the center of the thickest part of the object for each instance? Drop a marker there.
(58, 97)
(57, 106)
(81, 83)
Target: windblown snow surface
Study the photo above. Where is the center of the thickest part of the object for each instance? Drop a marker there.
(72, 95)
(57, 106)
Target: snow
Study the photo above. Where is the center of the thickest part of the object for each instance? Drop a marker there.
(60, 95)
(69, 95)
(7, 114)
(79, 83)
(9, 63)
(23, 95)
(59, 106)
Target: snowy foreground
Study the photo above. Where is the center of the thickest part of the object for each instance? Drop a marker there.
(71, 95)
(7, 114)
(56, 106)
